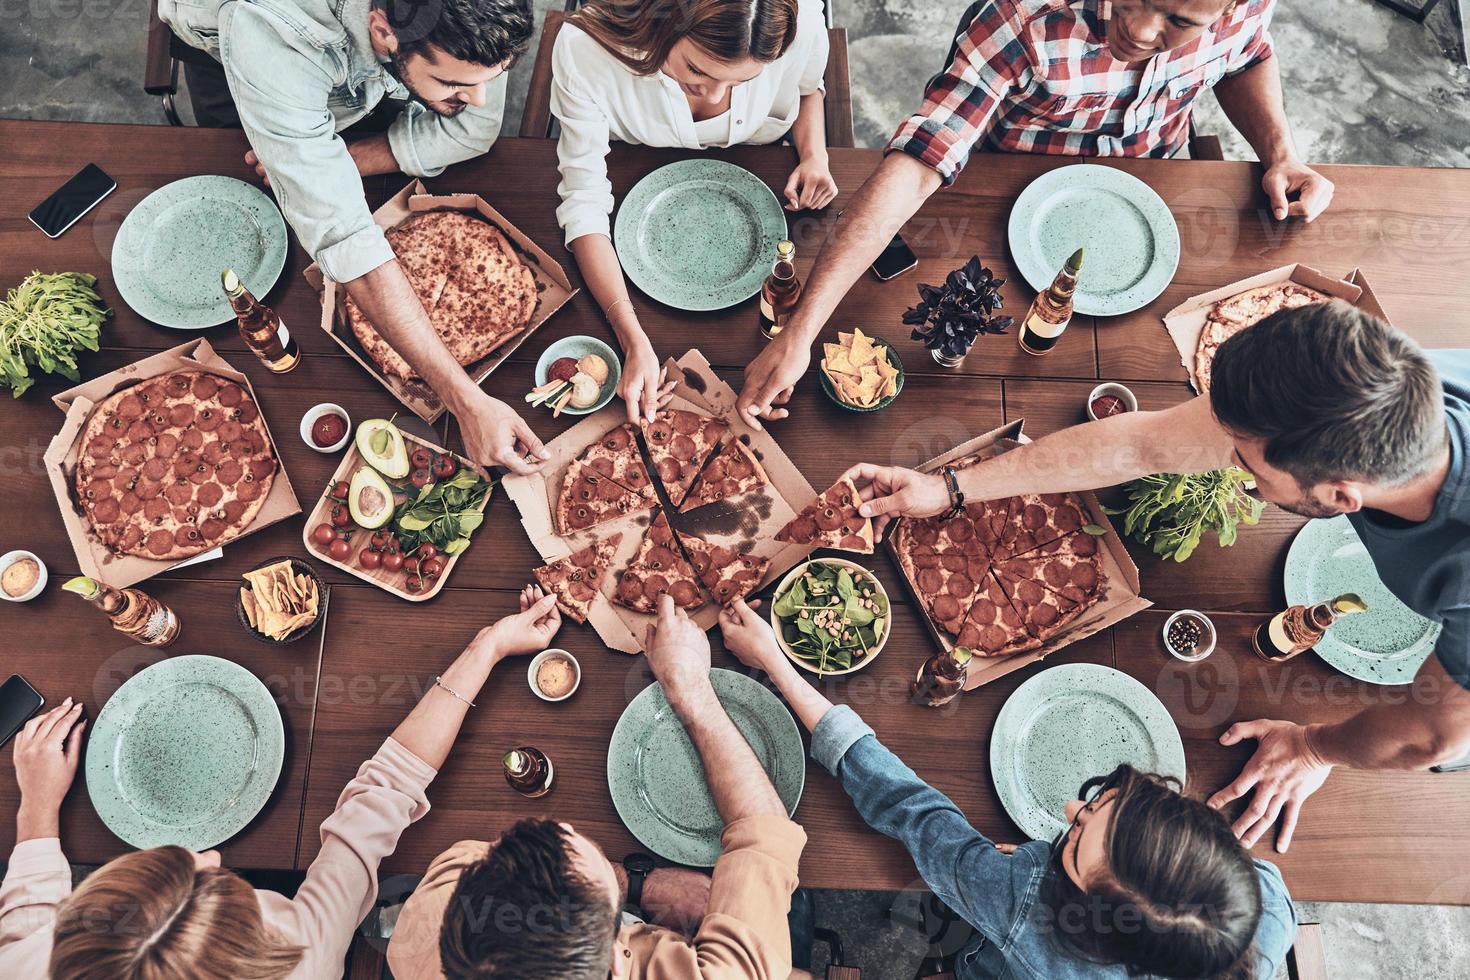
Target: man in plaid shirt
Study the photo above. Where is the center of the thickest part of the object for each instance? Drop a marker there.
(1079, 77)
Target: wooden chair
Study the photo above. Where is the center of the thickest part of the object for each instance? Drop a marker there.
(1307, 959)
(161, 64)
(537, 121)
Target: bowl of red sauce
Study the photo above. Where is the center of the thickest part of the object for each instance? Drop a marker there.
(1109, 399)
(326, 427)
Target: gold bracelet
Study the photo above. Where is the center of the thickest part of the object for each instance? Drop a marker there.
(439, 682)
(607, 312)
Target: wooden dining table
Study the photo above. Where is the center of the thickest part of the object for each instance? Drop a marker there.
(1391, 837)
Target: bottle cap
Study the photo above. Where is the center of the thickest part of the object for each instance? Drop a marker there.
(230, 281)
(516, 762)
(785, 249)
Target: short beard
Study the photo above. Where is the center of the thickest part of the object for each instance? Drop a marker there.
(445, 109)
(1305, 506)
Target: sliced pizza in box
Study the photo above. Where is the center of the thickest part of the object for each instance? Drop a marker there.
(658, 567)
(832, 521)
(725, 572)
(577, 579)
(733, 471)
(678, 443)
(589, 498)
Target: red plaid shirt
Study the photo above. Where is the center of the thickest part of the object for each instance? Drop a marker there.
(1036, 76)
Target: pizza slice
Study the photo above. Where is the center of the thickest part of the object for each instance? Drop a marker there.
(832, 521)
(1233, 314)
(945, 575)
(658, 568)
(1054, 583)
(588, 498)
(993, 626)
(577, 579)
(725, 572)
(733, 471)
(1043, 612)
(678, 443)
(1038, 519)
(616, 457)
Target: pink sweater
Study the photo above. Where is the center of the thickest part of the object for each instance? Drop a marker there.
(340, 887)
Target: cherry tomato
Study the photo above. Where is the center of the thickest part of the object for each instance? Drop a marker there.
(392, 561)
(369, 559)
(323, 534)
(421, 458)
(338, 490)
(341, 516)
(421, 478)
(413, 585)
(426, 549)
(341, 550)
(431, 567)
(381, 539)
(411, 564)
(444, 467)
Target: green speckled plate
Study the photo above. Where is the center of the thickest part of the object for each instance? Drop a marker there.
(1385, 645)
(657, 781)
(1131, 239)
(172, 247)
(1070, 723)
(699, 234)
(186, 752)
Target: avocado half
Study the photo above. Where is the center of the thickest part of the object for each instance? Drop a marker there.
(381, 444)
(369, 498)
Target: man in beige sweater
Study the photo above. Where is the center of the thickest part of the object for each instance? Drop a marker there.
(544, 901)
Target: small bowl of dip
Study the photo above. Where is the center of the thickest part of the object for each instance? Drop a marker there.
(326, 427)
(22, 576)
(1109, 399)
(554, 675)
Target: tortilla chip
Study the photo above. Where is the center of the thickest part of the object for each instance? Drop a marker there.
(247, 599)
(862, 348)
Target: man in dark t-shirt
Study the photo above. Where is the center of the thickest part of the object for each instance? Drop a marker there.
(1333, 412)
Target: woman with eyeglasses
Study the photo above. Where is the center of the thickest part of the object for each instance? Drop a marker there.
(679, 73)
(1145, 881)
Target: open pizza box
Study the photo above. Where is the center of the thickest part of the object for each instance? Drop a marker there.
(94, 559)
(747, 523)
(1186, 321)
(551, 283)
(1120, 590)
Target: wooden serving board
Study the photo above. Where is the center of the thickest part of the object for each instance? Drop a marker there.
(381, 577)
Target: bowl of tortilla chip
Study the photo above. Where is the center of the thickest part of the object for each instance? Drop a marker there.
(859, 373)
(281, 601)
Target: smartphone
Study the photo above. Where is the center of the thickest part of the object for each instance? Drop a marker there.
(18, 701)
(896, 259)
(1456, 765)
(75, 198)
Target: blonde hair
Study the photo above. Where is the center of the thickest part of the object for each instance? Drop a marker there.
(152, 915)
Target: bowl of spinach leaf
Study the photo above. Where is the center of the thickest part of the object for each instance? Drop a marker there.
(831, 616)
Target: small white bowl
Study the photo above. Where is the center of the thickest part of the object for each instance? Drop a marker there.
(858, 571)
(1206, 638)
(1112, 388)
(317, 411)
(10, 558)
(536, 665)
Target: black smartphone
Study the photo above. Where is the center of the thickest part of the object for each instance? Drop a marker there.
(18, 701)
(897, 258)
(1457, 765)
(75, 198)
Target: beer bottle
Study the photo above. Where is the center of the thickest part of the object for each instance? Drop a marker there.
(261, 327)
(942, 677)
(133, 612)
(528, 771)
(1299, 628)
(1051, 311)
(781, 291)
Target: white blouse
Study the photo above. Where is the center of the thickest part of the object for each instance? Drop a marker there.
(597, 98)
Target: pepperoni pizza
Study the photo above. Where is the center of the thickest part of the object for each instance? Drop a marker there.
(733, 471)
(725, 572)
(832, 521)
(678, 444)
(577, 579)
(658, 567)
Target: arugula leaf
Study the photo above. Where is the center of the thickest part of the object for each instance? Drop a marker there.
(1171, 513)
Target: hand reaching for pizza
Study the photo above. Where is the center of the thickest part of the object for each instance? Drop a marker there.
(644, 385)
(893, 491)
(1283, 772)
(678, 654)
(528, 631)
(749, 636)
(494, 435)
(771, 378)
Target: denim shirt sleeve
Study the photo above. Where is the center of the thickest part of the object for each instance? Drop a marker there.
(280, 85)
(424, 142)
(1277, 929)
(986, 888)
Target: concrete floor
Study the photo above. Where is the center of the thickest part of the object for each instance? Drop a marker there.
(1363, 86)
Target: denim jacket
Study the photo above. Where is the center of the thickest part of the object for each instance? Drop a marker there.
(995, 893)
(300, 72)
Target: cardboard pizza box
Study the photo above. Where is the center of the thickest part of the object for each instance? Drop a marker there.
(94, 559)
(747, 523)
(1186, 321)
(551, 282)
(1120, 599)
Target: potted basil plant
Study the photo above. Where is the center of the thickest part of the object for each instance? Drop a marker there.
(950, 318)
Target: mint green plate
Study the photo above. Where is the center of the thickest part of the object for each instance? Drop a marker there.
(186, 752)
(699, 234)
(658, 783)
(1070, 723)
(172, 247)
(1385, 645)
(1131, 239)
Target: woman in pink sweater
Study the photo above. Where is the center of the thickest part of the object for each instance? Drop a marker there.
(171, 913)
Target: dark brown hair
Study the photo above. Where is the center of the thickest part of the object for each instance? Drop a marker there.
(1181, 897)
(640, 33)
(1334, 392)
(525, 911)
(152, 915)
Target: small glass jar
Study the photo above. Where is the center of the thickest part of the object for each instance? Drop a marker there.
(945, 360)
(1189, 636)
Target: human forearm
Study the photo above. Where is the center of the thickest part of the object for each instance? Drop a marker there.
(809, 704)
(597, 260)
(33, 822)
(432, 726)
(373, 155)
(1254, 103)
(737, 781)
(1401, 735)
(809, 132)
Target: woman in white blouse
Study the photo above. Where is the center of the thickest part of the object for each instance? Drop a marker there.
(689, 73)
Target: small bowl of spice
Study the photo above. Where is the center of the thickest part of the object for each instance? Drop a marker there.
(22, 576)
(1109, 399)
(326, 427)
(554, 675)
(1189, 635)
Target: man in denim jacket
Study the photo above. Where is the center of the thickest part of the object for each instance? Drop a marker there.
(298, 73)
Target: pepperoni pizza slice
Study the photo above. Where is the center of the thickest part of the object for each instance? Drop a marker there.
(1044, 612)
(577, 579)
(588, 498)
(1038, 519)
(832, 521)
(616, 457)
(1069, 566)
(733, 471)
(725, 572)
(658, 567)
(993, 626)
(678, 443)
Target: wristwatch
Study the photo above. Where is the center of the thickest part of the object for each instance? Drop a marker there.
(638, 867)
(956, 496)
